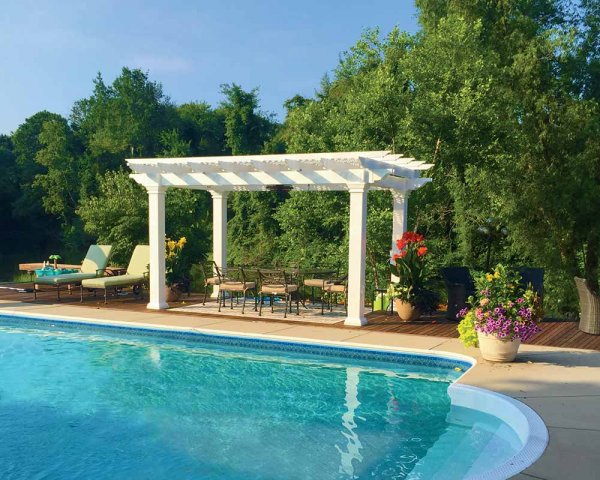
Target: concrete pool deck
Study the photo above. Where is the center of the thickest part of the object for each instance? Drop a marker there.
(561, 385)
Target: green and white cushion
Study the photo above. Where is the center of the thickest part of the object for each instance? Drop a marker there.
(136, 272)
(116, 281)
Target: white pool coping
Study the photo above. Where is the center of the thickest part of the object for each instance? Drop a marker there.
(526, 423)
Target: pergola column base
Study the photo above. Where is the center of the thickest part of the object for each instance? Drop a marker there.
(157, 306)
(355, 321)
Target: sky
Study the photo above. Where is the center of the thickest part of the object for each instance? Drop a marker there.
(52, 50)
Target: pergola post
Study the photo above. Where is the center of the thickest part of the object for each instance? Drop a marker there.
(357, 255)
(156, 234)
(399, 219)
(399, 215)
(219, 199)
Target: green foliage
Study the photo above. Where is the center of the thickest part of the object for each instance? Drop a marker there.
(466, 330)
(122, 119)
(60, 180)
(117, 215)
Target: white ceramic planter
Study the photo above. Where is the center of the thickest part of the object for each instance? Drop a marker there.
(495, 349)
(172, 294)
(406, 311)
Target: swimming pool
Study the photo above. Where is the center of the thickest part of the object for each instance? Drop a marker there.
(81, 401)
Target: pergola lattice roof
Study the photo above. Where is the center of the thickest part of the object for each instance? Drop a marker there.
(306, 171)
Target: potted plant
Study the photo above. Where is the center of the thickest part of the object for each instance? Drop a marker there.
(411, 292)
(501, 316)
(174, 268)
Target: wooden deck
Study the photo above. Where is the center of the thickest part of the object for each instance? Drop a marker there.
(554, 333)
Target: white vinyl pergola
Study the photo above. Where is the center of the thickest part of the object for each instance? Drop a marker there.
(355, 172)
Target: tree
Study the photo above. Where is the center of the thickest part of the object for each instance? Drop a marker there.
(124, 119)
(204, 127)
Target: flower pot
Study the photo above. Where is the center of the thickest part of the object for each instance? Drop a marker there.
(497, 349)
(406, 311)
(172, 294)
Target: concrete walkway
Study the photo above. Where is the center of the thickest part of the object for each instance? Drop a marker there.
(561, 385)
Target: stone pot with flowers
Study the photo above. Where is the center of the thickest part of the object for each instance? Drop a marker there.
(175, 270)
(412, 292)
(502, 314)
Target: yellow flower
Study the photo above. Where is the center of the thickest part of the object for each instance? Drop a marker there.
(489, 277)
(171, 244)
(496, 274)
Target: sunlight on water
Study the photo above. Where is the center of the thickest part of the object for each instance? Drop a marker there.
(77, 404)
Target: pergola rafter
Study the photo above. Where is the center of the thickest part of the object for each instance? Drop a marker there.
(355, 172)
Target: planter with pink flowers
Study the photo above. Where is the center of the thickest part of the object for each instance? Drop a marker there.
(502, 314)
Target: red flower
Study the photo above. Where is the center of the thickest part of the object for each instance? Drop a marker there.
(421, 251)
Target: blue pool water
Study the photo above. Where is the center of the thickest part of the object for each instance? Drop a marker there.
(108, 404)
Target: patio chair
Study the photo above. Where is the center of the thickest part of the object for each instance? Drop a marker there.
(136, 275)
(233, 280)
(211, 275)
(589, 319)
(318, 278)
(279, 283)
(535, 278)
(94, 265)
(336, 286)
(460, 286)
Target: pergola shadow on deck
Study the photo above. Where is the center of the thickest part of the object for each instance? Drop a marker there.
(564, 334)
(354, 172)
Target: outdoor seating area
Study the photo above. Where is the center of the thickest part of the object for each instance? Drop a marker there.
(319, 291)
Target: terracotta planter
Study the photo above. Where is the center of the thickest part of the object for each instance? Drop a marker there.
(406, 311)
(173, 294)
(495, 349)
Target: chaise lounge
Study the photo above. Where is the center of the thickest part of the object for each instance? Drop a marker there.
(94, 265)
(136, 275)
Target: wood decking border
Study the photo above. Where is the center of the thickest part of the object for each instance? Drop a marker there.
(563, 334)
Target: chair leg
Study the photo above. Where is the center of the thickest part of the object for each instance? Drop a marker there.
(219, 295)
(81, 292)
(105, 296)
(205, 294)
(34, 291)
(231, 299)
(260, 302)
(287, 300)
(58, 292)
(244, 303)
